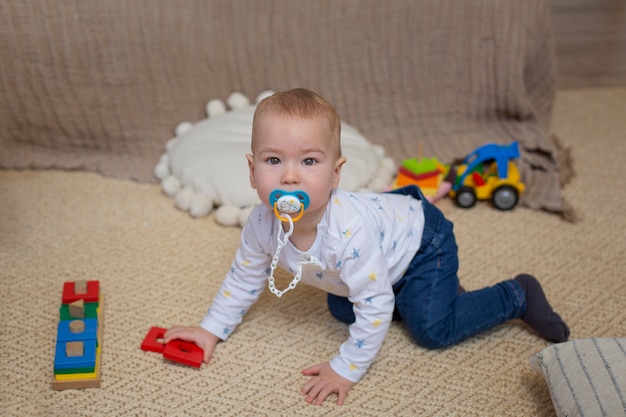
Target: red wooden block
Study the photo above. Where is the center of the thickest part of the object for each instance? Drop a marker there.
(92, 295)
(184, 352)
(417, 177)
(153, 341)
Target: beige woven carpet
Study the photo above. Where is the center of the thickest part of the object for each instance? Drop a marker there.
(157, 266)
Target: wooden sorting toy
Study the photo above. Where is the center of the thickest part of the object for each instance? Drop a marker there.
(78, 351)
(426, 173)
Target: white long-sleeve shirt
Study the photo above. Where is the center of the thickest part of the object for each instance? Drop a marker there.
(364, 244)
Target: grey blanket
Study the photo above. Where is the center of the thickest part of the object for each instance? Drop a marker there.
(100, 86)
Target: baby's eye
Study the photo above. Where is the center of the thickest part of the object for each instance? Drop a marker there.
(309, 161)
(273, 160)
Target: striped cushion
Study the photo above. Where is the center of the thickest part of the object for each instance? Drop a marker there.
(586, 377)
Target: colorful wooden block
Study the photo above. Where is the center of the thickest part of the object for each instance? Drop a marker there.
(153, 341)
(87, 360)
(91, 311)
(75, 376)
(184, 352)
(66, 334)
(78, 380)
(90, 296)
(76, 371)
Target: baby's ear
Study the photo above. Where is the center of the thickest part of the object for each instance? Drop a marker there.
(338, 166)
(250, 159)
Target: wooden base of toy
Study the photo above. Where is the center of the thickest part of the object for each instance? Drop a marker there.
(78, 381)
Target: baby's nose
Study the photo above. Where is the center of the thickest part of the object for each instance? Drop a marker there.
(290, 175)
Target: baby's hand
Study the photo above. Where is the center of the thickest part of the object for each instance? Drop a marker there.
(325, 381)
(204, 339)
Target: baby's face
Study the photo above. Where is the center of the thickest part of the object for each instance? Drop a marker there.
(293, 153)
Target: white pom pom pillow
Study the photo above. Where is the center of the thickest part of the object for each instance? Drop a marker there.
(204, 165)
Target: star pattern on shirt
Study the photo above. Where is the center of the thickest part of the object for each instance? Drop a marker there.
(360, 343)
(356, 253)
(227, 294)
(353, 367)
(377, 322)
(226, 330)
(347, 233)
(372, 276)
(319, 275)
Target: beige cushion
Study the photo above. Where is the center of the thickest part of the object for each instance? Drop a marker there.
(586, 377)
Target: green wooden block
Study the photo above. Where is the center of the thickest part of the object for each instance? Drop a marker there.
(420, 166)
(75, 371)
(91, 311)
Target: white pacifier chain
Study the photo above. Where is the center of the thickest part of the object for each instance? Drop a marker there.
(286, 202)
(281, 243)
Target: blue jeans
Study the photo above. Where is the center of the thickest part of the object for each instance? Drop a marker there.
(427, 297)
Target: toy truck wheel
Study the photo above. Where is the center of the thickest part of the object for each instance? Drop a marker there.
(465, 197)
(505, 197)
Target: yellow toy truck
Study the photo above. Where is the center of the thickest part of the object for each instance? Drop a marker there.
(489, 173)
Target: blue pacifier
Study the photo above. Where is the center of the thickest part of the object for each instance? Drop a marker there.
(289, 202)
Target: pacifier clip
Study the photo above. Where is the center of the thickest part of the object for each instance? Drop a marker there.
(285, 203)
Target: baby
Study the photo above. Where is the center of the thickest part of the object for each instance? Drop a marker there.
(380, 257)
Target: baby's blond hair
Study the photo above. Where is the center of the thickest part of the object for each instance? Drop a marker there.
(303, 103)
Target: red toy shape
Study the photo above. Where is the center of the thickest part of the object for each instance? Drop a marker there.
(478, 180)
(92, 295)
(184, 352)
(153, 341)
